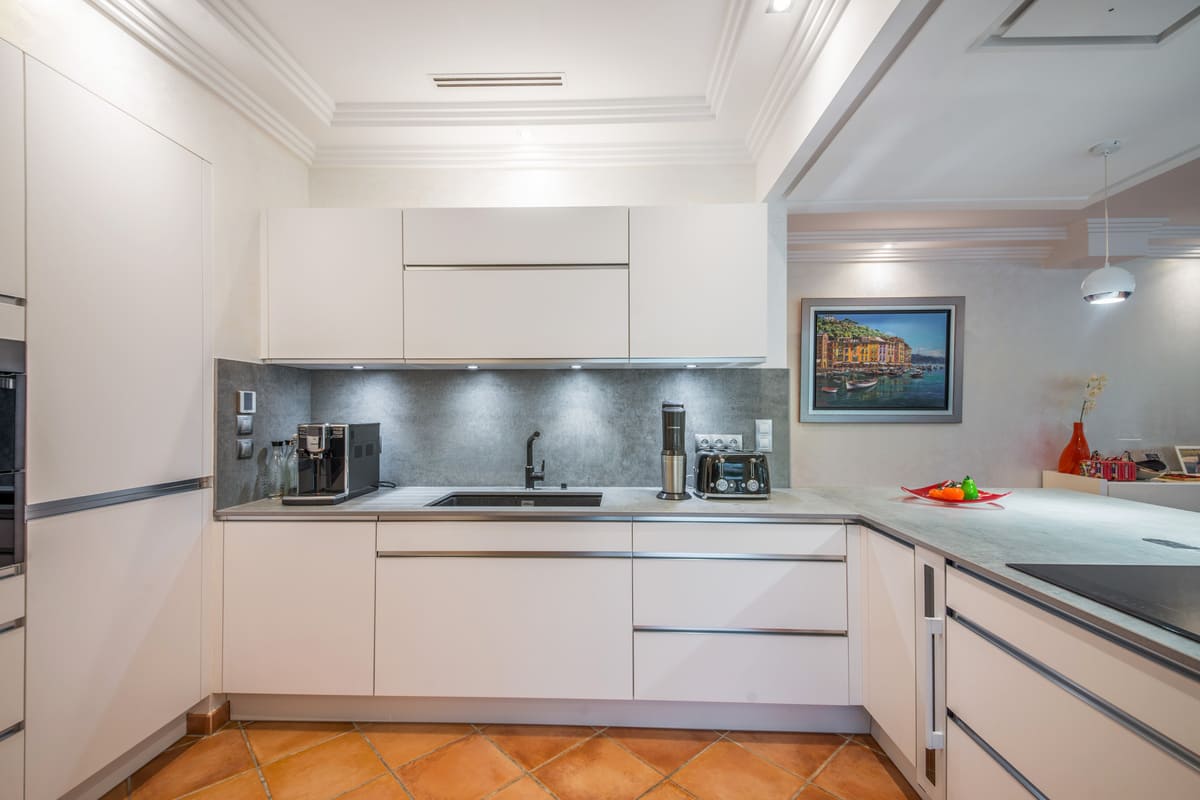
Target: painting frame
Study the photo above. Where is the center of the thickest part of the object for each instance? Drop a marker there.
(1188, 451)
(948, 412)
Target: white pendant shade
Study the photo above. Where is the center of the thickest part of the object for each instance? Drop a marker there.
(1108, 284)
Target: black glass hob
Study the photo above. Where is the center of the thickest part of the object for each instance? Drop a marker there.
(1166, 595)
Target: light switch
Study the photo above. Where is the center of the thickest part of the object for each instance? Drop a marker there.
(245, 448)
(246, 402)
(763, 438)
(245, 424)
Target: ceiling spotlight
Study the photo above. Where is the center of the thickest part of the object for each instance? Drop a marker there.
(577, 366)
(472, 366)
(358, 366)
(1108, 284)
(778, 6)
(690, 366)
(526, 134)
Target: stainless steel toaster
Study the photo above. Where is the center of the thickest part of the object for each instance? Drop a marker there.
(732, 473)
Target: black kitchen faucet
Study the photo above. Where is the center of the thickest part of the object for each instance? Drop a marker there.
(532, 477)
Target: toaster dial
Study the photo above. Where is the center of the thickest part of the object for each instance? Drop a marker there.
(752, 485)
(722, 485)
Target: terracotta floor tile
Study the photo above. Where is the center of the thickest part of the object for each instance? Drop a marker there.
(246, 786)
(524, 789)
(534, 745)
(597, 770)
(401, 742)
(867, 740)
(382, 788)
(324, 771)
(727, 772)
(811, 792)
(271, 741)
(190, 767)
(864, 774)
(117, 792)
(802, 753)
(667, 791)
(664, 749)
(465, 770)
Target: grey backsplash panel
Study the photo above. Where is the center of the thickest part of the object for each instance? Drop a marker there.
(283, 402)
(600, 427)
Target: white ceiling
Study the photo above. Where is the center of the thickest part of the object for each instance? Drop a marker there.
(951, 125)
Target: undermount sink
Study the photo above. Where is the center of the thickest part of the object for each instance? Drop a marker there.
(518, 499)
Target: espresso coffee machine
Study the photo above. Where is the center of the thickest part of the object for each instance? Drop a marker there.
(336, 462)
(674, 454)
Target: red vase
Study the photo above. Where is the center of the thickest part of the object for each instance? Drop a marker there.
(1076, 450)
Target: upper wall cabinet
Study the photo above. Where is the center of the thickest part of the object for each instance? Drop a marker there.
(448, 237)
(12, 190)
(335, 284)
(704, 264)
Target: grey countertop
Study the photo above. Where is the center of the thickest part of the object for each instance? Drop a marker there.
(1031, 525)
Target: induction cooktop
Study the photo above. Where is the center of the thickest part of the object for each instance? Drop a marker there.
(1166, 595)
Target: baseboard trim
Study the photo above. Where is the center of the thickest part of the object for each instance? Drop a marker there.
(207, 723)
(633, 713)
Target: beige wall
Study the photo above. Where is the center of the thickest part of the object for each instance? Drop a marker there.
(1030, 344)
(250, 171)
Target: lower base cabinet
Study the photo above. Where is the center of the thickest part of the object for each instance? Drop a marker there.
(972, 773)
(464, 626)
(726, 667)
(12, 766)
(299, 607)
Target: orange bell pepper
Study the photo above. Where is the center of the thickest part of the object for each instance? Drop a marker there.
(953, 493)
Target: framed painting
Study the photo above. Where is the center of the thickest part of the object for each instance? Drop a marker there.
(881, 359)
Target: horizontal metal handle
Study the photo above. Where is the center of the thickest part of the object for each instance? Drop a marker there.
(505, 267)
(502, 554)
(763, 631)
(12, 300)
(12, 730)
(1122, 718)
(16, 624)
(11, 571)
(995, 756)
(70, 505)
(740, 557)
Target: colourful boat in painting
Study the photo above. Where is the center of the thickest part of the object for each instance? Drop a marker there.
(852, 385)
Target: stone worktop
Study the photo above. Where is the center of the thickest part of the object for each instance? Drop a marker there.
(1030, 525)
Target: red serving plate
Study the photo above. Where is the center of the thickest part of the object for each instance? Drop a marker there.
(923, 493)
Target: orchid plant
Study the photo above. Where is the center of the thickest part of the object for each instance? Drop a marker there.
(1091, 390)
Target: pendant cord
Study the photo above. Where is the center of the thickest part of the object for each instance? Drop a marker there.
(1106, 209)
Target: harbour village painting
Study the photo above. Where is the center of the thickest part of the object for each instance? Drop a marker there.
(881, 360)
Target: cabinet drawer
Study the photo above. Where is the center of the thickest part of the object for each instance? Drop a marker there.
(12, 598)
(463, 314)
(739, 538)
(481, 537)
(972, 774)
(12, 766)
(491, 236)
(12, 667)
(741, 668)
(1161, 698)
(720, 593)
(1063, 744)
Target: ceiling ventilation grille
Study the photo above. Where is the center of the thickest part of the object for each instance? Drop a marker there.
(488, 80)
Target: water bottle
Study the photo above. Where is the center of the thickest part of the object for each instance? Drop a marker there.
(276, 470)
(291, 464)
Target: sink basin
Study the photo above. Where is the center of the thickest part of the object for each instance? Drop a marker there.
(518, 499)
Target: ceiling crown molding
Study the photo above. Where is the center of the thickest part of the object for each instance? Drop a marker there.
(240, 20)
(817, 23)
(531, 156)
(886, 235)
(153, 29)
(727, 46)
(654, 109)
(1012, 254)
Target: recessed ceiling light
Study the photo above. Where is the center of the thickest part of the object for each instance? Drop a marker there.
(358, 366)
(691, 366)
(778, 6)
(526, 134)
(472, 366)
(577, 366)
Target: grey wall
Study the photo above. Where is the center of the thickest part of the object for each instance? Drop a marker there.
(283, 402)
(599, 427)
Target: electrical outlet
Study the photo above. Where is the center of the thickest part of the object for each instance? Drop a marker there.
(718, 441)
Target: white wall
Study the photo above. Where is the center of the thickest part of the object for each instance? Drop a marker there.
(1030, 344)
(624, 186)
(249, 170)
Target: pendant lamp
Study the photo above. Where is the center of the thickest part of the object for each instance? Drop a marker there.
(1108, 284)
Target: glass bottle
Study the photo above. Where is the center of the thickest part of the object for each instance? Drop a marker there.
(276, 470)
(291, 464)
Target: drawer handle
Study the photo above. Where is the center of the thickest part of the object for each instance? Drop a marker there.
(935, 628)
(11, 731)
(9, 627)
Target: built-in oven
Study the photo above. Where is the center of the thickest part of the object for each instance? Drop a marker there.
(12, 454)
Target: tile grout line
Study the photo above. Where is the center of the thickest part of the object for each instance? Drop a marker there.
(254, 758)
(382, 760)
(529, 772)
(668, 777)
(811, 781)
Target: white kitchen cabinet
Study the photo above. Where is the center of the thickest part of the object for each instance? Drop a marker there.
(740, 668)
(973, 774)
(889, 640)
(12, 178)
(12, 765)
(334, 284)
(706, 264)
(116, 227)
(516, 236)
(299, 607)
(113, 635)
(12, 667)
(498, 313)
(456, 620)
